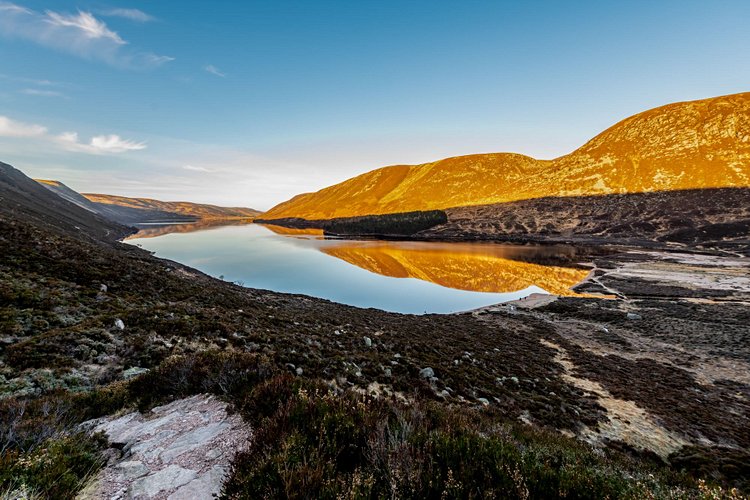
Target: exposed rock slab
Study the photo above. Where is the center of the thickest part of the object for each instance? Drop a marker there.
(177, 451)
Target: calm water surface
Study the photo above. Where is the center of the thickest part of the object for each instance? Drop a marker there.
(407, 277)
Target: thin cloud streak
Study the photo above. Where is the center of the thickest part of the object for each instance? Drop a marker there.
(214, 70)
(81, 34)
(131, 14)
(193, 168)
(42, 93)
(31, 81)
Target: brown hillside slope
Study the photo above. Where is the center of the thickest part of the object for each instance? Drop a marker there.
(198, 210)
(686, 145)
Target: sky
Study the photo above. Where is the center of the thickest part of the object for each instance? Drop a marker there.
(249, 103)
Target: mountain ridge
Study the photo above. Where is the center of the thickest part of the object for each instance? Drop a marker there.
(684, 145)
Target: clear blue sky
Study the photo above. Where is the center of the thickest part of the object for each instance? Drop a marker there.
(248, 103)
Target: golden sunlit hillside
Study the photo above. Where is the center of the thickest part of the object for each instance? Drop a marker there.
(686, 145)
(464, 267)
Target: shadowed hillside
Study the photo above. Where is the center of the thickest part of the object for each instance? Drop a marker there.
(703, 217)
(26, 201)
(686, 145)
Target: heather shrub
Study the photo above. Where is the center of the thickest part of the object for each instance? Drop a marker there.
(312, 442)
(57, 468)
(223, 373)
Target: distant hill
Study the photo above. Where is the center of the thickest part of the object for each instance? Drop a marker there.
(681, 146)
(122, 214)
(24, 200)
(195, 210)
(143, 210)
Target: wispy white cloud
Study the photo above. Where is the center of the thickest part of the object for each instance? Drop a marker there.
(155, 59)
(80, 34)
(214, 70)
(42, 93)
(68, 141)
(99, 144)
(86, 24)
(132, 14)
(13, 128)
(13, 8)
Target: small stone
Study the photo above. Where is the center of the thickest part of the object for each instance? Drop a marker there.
(514, 380)
(368, 341)
(634, 316)
(427, 372)
(119, 324)
(103, 288)
(387, 372)
(299, 371)
(484, 401)
(337, 332)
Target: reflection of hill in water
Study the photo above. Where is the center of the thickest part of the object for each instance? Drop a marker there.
(189, 227)
(465, 267)
(290, 231)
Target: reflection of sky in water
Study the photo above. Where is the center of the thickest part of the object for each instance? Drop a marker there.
(258, 258)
